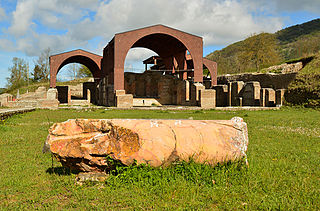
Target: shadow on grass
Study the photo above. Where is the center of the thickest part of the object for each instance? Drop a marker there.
(61, 171)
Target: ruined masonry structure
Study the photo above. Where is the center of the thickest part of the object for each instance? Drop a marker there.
(178, 83)
(176, 77)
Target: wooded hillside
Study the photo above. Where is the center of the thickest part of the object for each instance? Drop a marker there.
(265, 49)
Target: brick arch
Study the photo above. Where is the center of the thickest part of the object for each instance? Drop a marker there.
(158, 39)
(213, 69)
(90, 60)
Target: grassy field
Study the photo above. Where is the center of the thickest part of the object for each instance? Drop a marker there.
(283, 172)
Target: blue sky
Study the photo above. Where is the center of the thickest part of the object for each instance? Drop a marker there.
(27, 27)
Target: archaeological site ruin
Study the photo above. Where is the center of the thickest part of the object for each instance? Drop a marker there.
(175, 77)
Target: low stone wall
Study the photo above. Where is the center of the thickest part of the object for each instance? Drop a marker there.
(266, 80)
(238, 93)
(286, 68)
(76, 90)
(6, 113)
(146, 102)
(41, 98)
(41, 103)
(40, 93)
(167, 89)
(163, 89)
(5, 98)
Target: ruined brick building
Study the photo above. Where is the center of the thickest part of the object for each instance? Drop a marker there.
(176, 77)
(181, 55)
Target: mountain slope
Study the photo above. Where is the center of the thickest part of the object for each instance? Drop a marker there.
(293, 33)
(305, 89)
(262, 50)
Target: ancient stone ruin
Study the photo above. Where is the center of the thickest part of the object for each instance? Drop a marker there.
(175, 77)
(88, 145)
(256, 89)
(41, 98)
(179, 65)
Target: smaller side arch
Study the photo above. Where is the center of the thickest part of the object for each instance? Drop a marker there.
(92, 61)
(213, 69)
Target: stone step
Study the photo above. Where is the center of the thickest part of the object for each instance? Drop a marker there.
(146, 102)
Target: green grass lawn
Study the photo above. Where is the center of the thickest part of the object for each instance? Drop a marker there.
(283, 172)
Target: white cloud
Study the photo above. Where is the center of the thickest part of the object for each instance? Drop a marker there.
(136, 54)
(286, 6)
(7, 45)
(22, 18)
(55, 14)
(2, 14)
(135, 57)
(219, 22)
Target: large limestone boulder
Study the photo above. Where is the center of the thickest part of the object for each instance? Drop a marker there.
(85, 144)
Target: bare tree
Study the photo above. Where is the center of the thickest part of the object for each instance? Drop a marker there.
(73, 71)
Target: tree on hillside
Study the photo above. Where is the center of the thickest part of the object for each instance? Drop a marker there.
(84, 72)
(37, 73)
(251, 54)
(305, 46)
(258, 51)
(19, 73)
(41, 69)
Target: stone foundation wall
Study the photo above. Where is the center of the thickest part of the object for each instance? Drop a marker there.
(41, 103)
(221, 95)
(40, 93)
(41, 98)
(5, 98)
(207, 98)
(167, 89)
(76, 90)
(160, 89)
(286, 68)
(266, 80)
(250, 93)
(142, 84)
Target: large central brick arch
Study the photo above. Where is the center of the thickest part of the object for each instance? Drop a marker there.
(90, 60)
(166, 41)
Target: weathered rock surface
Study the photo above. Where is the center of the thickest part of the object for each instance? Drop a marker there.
(85, 144)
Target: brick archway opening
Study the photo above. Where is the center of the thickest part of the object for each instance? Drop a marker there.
(152, 84)
(170, 49)
(170, 44)
(213, 69)
(91, 61)
(91, 65)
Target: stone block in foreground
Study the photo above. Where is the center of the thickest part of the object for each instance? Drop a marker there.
(84, 144)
